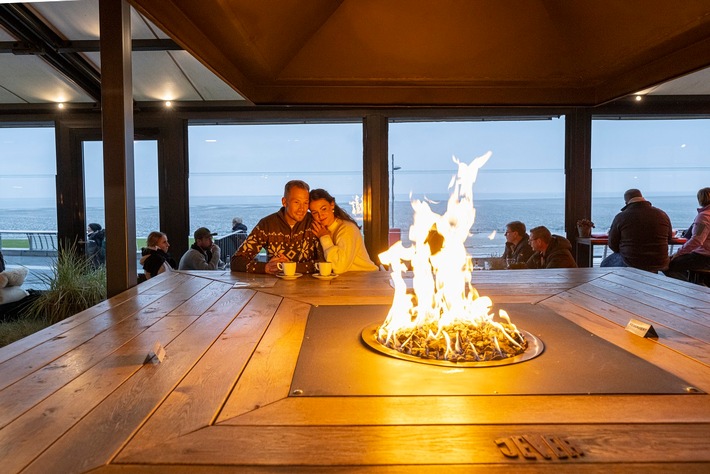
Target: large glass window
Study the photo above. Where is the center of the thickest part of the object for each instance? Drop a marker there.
(668, 160)
(523, 180)
(146, 186)
(28, 197)
(240, 170)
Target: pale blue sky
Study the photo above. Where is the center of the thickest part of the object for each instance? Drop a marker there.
(667, 157)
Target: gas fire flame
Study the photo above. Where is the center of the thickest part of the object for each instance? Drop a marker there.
(445, 318)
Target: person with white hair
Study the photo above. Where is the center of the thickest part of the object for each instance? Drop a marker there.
(238, 225)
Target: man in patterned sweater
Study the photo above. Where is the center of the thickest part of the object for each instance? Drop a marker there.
(286, 235)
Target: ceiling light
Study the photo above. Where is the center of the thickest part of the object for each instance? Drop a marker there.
(60, 105)
(168, 104)
(639, 98)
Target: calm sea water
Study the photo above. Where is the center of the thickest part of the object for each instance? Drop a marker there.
(491, 215)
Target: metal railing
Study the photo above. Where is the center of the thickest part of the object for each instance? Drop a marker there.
(38, 241)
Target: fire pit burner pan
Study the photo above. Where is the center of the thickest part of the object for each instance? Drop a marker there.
(535, 348)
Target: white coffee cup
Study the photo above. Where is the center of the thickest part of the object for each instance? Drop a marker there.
(325, 268)
(288, 268)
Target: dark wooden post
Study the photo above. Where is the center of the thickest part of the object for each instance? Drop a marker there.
(117, 128)
(578, 176)
(376, 191)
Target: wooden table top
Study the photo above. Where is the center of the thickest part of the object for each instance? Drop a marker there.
(79, 396)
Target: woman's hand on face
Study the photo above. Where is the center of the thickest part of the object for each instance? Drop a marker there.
(319, 229)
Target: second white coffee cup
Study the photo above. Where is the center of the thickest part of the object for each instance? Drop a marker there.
(324, 268)
(288, 268)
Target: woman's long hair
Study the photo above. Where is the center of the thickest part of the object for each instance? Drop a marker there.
(153, 238)
(319, 193)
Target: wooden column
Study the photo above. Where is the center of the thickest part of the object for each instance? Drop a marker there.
(117, 126)
(375, 184)
(578, 175)
(71, 215)
(173, 172)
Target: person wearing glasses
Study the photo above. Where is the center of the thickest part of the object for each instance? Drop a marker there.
(517, 245)
(551, 251)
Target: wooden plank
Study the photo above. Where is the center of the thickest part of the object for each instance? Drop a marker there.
(679, 294)
(27, 392)
(28, 436)
(531, 467)
(23, 394)
(677, 317)
(268, 376)
(18, 367)
(157, 288)
(695, 373)
(196, 401)
(479, 410)
(433, 444)
(203, 300)
(33, 340)
(99, 435)
(690, 346)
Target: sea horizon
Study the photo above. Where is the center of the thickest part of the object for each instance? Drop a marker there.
(486, 236)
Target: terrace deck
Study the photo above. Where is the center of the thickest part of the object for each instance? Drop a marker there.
(78, 395)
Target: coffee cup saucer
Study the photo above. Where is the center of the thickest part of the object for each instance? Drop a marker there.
(324, 277)
(289, 277)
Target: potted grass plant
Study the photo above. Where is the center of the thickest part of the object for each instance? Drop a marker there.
(73, 286)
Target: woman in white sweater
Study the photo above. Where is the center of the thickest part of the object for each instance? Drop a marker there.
(339, 235)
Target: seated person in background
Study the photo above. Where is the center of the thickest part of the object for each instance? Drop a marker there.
(551, 251)
(203, 254)
(639, 235)
(95, 246)
(517, 243)
(238, 225)
(155, 257)
(286, 235)
(339, 235)
(695, 253)
(2, 263)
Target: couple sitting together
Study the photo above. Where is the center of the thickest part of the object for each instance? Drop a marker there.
(293, 234)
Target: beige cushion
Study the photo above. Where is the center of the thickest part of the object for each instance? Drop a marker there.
(12, 294)
(13, 277)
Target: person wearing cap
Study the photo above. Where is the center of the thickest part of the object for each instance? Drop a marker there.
(203, 254)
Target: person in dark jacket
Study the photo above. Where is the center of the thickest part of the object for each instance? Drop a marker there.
(238, 225)
(639, 235)
(95, 246)
(551, 251)
(517, 244)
